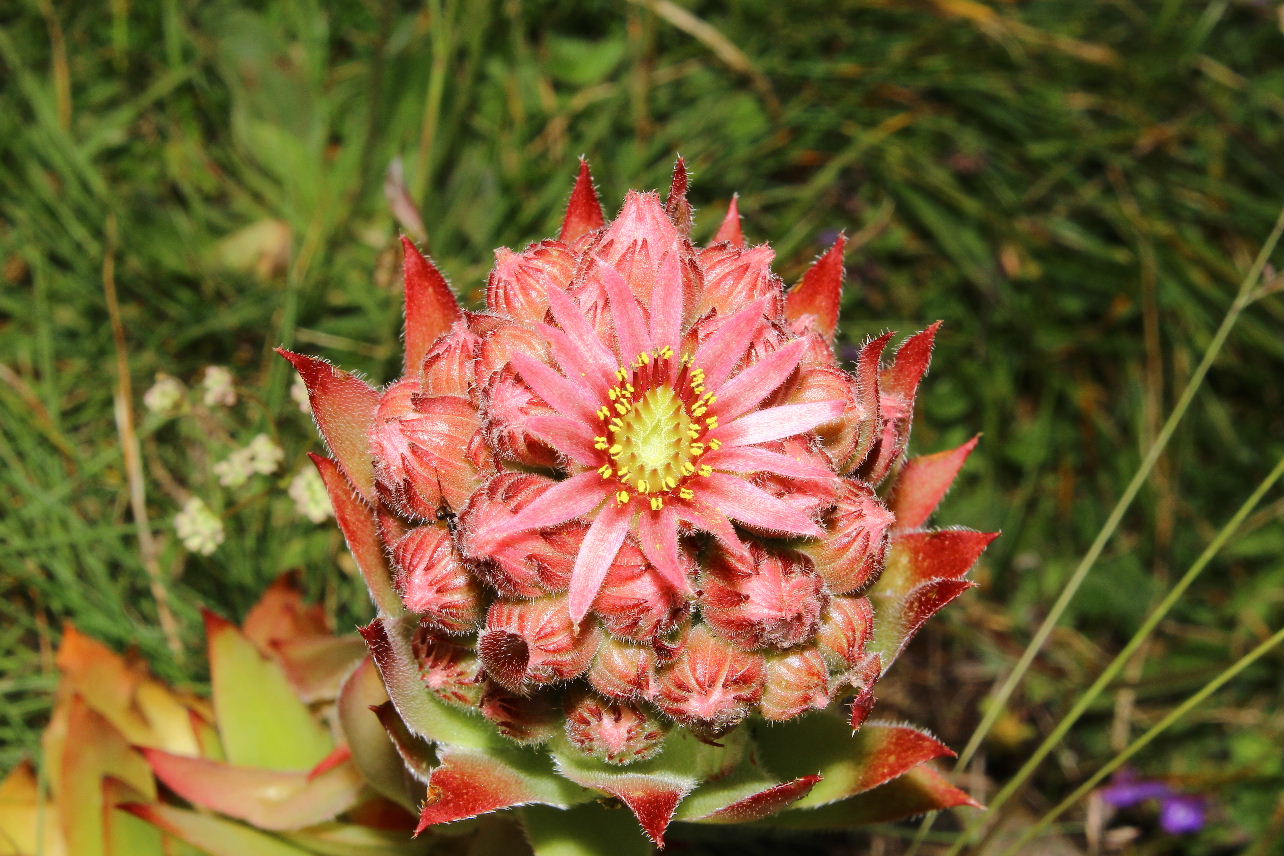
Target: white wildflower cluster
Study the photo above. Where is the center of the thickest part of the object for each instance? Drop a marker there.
(200, 530)
(309, 494)
(166, 395)
(261, 457)
(220, 389)
(299, 392)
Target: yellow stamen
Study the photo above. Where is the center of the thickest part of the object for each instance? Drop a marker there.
(604, 413)
(706, 470)
(670, 482)
(604, 471)
(621, 408)
(643, 487)
(688, 468)
(599, 443)
(715, 444)
(697, 449)
(656, 503)
(615, 450)
(711, 422)
(622, 497)
(686, 493)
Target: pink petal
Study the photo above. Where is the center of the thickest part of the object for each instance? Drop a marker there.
(730, 230)
(584, 211)
(580, 333)
(753, 506)
(574, 361)
(760, 380)
(631, 331)
(571, 437)
(755, 459)
(720, 353)
(711, 520)
(658, 535)
(666, 303)
(573, 497)
(597, 551)
(561, 394)
(776, 423)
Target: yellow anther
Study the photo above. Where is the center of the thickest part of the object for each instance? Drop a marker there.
(604, 413)
(696, 449)
(644, 357)
(615, 450)
(699, 388)
(615, 424)
(622, 472)
(604, 471)
(715, 444)
(622, 373)
(621, 408)
(599, 443)
(688, 468)
(666, 352)
(656, 503)
(712, 399)
(628, 387)
(706, 470)
(670, 482)
(693, 433)
(622, 497)
(711, 422)
(699, 410)
(686, 493)
(643, 487)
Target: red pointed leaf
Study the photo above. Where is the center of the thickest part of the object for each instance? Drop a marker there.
(344, 407)
(918, 557)
(730, 230)
(904, 374)
(923, 483)
(917, 792)
(431, 307)
(764, 803)
(820, 292)
(361, 529)
(468, 784)
(282, 614)
(584, 211)
(677, 206)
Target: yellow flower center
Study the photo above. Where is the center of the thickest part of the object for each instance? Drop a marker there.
(654, 430)
(654, 441)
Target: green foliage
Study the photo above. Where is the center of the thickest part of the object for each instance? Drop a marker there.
(1074, 188)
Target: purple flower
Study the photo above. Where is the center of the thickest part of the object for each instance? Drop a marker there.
(1179, 814)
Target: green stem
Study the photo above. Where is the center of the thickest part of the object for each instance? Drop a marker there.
(1144, 740)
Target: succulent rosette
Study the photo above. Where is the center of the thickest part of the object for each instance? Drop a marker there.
(633, 531)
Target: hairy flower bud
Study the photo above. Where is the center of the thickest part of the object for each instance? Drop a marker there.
(527, 719)
(623, 670)
(518, 285)
(528, 564)
(851, 558)
(773, 600)
(529, 643)
(612, 731)
(433, 581)
(712, 683)
(796, 681)
(846, 628)
(448, 668)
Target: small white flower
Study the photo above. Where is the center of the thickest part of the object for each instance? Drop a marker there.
(220, 390)
(200, 530)
(299, 392)
(236, 469)
(265, 456)
(309, 494)
(165, 397)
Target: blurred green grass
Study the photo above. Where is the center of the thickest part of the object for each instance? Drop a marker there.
(1074, 188)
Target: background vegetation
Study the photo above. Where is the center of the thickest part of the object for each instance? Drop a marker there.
(1075, 188)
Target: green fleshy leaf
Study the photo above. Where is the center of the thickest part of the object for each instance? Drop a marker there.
(246, 685)
(345, 839)
(213, 835)
(372, 749)
(588, 830)
(919, 791)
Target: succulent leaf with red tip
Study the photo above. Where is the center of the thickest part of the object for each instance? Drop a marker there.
(637, 510)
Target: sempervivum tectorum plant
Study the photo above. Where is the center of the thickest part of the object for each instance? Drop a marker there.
(634, 531)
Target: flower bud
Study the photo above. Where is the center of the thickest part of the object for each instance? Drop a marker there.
(734, 276)
(433, 581)
(845, 629)
(526, 719)
(796, 681)
(711, 683)
(526, 564)
(863, 677)
(773, 600)
(612, 731)
(449, 669)
(851, 554)
(621, 670)
(529, 643)
(448, 367)
(635, 601)
(518, 285)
